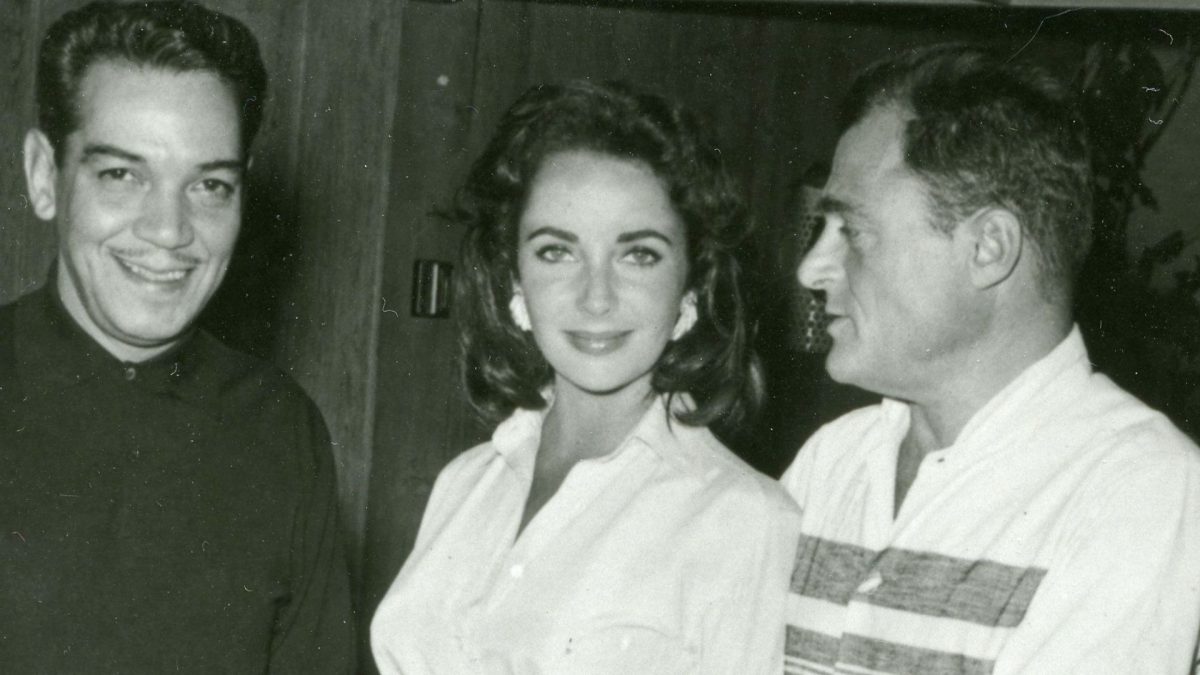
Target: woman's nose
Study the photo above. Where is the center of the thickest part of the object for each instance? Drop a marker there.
(598, 296)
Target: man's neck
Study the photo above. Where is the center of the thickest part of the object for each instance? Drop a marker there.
(936, 420)
(939, 415)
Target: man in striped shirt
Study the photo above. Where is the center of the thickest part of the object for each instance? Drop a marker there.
(1004, 509)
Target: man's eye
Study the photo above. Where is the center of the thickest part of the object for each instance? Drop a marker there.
(849, 232)
(119, 180)
(553, 253)
(217, 187)
(214, 191)
(116, 174)
(643, 256)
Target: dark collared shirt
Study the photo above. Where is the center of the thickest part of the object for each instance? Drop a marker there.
(176, 515)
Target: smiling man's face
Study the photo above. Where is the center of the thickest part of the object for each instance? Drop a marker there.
(148, 202)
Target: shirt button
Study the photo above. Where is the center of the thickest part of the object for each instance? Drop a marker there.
(875, 580)
(517, 571)
(130, 373)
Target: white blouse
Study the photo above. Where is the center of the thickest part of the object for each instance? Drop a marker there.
(669, 555)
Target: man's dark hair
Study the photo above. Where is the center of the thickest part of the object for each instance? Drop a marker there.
(987, 131)
(502, 366)
(173, 35)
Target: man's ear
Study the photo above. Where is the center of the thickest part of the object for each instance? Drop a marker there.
(998, 241)
(41, 174)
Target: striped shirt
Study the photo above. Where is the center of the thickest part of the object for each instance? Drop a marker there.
(1060, 533)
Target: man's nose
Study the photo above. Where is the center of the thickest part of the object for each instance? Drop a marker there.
(822, 264)
(166, 221)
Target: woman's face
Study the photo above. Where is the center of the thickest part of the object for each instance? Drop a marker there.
(603, 266)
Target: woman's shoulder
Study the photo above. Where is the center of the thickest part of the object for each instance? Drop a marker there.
(703, 457)
(470, 461)
(738, 517)
(514, 438)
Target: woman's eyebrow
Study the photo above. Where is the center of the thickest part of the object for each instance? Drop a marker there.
(553, 232)
(624, 237)
(642, 234)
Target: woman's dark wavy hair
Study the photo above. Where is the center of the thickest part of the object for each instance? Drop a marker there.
(172, 34)
(987, 130)
(503, 368)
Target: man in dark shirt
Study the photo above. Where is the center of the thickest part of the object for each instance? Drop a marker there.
(166, 503)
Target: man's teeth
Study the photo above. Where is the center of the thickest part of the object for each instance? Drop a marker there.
(151, 275)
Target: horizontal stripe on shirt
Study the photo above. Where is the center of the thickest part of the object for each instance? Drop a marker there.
(950, 603)
(890, 625)
(829, 570)
(888, 657)
(862, 655)
(977, 591)
(811, 646)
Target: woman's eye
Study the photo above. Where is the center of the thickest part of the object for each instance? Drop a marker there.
(553, 253)
(643, 256)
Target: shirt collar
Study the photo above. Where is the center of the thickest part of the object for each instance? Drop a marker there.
(1028, 396)
(51, 348)
(1025, 398)
(516, 438)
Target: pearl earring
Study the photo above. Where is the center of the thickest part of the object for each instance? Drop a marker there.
(519, 312)
(687, 316)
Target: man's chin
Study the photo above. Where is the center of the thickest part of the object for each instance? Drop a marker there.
(842, 367)
(147, 333)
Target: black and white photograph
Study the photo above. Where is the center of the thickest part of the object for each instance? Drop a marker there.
(591, 337)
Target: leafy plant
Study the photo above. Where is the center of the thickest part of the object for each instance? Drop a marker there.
(1147, 338)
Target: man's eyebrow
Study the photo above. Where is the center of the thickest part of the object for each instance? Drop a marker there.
(642, 234)
(106, 150)
(553, 232)
(828, 204)
(219, 164)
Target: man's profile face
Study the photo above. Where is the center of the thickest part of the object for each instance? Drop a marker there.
(894, 285)
(148, 201)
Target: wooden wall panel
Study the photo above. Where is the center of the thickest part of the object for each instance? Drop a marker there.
(421, 418)
(330, 311)
(27, 245)
(245, 311)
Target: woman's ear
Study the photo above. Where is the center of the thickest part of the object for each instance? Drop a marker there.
(41, 174)
(998, 240)
(687, 315)
(518, 310)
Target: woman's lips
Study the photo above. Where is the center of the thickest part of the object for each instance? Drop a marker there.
(597, 344)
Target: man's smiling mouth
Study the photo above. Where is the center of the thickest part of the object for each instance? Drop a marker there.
(155, 276)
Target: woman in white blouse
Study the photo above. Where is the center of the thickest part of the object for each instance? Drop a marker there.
(603, 529)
